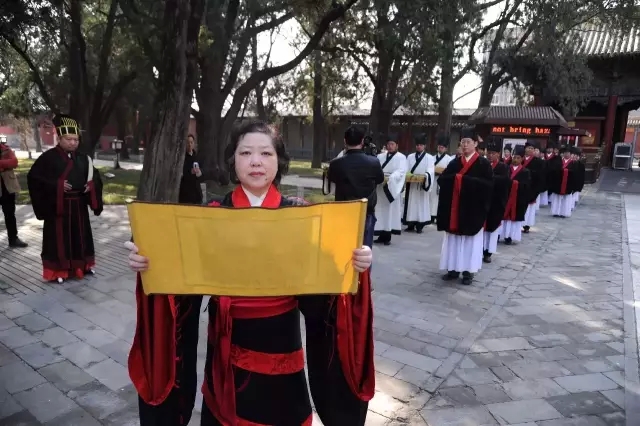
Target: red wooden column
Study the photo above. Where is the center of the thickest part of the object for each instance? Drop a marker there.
(608, 128)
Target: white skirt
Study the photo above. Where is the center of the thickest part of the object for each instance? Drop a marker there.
(511, 229)
(491, 240)
(544, 199)
(530, 215)
(538, 202)
(462, 253)
(561, 204)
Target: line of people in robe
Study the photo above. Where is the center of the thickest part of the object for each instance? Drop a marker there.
(483, 193)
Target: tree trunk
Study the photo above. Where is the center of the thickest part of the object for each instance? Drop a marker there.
(164, 156)
(36, 134)
(447, 84)
(319, 141)
(121, 121)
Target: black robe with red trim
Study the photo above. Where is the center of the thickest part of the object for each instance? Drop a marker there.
(521, 197)
(67, 241)
(474, 200)
(563, 180)
(501, 185)
(538, 181)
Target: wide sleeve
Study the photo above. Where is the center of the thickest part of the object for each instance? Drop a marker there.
(43, 188)
(429, 174)
(94, 193)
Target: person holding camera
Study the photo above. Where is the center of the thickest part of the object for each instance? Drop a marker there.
(356, 175)
(190, 191)
(9, 187)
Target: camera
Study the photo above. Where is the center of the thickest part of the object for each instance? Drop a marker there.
(370, 147)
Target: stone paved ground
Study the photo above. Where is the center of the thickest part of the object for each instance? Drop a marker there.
(542, 338)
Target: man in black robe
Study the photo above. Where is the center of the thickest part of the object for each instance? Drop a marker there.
(463, 204)
(518, 199)
(501, 185)
(190, 191)
(562, 183)
(535, 166)
(63, 186)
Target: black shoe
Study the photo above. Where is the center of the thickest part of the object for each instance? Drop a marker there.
(486, 257)
(467, 278)
(526, 229)
(419, 231)
(18, 243)
(410, 229)
(508, 241)
(450, 276)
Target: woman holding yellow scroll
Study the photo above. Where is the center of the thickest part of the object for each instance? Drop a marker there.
(254, 372)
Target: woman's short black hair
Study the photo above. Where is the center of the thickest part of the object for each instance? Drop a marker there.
(258, 126)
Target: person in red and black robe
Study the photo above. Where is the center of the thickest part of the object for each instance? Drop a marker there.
(254, 369)
(535, 166)
(581, 170)
(63, 186)
(562, 177)
(501, 185)
(519, 197)
(463, 203)
(506, 156)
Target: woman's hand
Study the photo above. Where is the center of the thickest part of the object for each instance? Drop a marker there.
(362, 258)
(137, 263)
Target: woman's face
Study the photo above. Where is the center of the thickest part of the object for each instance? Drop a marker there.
(256, 162)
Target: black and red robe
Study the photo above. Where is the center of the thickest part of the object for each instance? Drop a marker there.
(500, 193)
(519, 194)
(465, 195)
(254, 372)
(67, 241)
(563, 177)
(536, 168)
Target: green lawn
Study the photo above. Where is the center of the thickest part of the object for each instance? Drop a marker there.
(115, 191)
(303, 168)
(124, 185)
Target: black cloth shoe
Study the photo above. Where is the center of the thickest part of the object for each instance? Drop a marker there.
(450, 276)
(508, 241)
(18, 243)
(467, 278)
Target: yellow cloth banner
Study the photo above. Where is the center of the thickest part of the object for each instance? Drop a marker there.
(249, 251)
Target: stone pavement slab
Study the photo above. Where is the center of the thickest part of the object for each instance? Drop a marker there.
(545, 336)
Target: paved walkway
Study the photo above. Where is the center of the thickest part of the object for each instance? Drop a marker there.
(546, 336)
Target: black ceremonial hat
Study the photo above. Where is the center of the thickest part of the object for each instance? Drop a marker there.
(508, 146)
(564, 148)
(531, 143)
(420, 139)
(468, 132)
(551, 144)
(575, 150)
(482, 145)
(391, 137)
(518, 150)
(65, 125)
(494, 144)
(443, 140)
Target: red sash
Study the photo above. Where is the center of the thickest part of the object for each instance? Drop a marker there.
(527, 161)
(565, 177)
(510, 211)
(457, 188)
(494, 164)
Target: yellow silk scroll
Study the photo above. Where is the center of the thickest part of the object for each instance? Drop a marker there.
(249, 251)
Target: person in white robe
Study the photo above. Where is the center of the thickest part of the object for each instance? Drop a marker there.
(419, 184)
(440, 163)
(389, 193)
